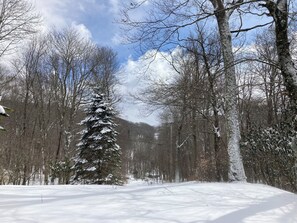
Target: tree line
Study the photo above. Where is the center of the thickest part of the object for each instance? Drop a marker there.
(50, 81)
(227, 116)
(192, 143)
(230, 113)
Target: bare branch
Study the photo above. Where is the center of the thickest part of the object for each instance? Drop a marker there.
(251, 28)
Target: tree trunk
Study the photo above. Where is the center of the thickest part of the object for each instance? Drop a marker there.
(236, 169)
(217, 140)
(279, 12)
(177, 155)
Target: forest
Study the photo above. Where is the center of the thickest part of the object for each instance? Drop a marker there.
(228, 114)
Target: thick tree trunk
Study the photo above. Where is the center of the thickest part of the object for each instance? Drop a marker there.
(236, 169)
(279, 12)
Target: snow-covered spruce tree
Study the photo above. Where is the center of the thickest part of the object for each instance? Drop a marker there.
(99, 157)
(270, 155)
(2, 113)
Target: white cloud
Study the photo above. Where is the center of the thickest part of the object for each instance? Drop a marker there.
(93, 19)
(117, 39)
(137, 75)
(60, 13)
(115, 6)
(82, 29)
(53, 12)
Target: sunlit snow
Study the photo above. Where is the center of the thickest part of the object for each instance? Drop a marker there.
(144, 202)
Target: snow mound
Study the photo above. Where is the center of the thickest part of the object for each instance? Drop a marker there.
(140, 202)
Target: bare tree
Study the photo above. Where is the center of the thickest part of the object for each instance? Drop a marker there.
(279, 11)
(54, 73)
(105, 65)
(75, 65)
(18, 20)
(209, 52)
(193, 121)
(270, 77)
(167, 23)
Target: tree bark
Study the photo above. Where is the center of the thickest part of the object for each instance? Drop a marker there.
(279, 12)
(236, 169)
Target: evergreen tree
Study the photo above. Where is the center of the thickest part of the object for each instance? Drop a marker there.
(98, 158)
(270, 155)
(3, 113)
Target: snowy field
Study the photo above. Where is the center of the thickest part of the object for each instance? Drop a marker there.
(139, 202)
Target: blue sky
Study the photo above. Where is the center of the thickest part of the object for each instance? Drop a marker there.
(96, 19)
(93, 17)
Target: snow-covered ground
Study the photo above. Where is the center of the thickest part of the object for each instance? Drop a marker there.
(140, 202)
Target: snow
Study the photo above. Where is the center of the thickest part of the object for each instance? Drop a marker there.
(91, 169)
(145, 203)
(105, 130)
(99, 110)
(2, 110)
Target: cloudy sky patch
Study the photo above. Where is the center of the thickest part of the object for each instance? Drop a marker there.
(136, 76)
(96, 20)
